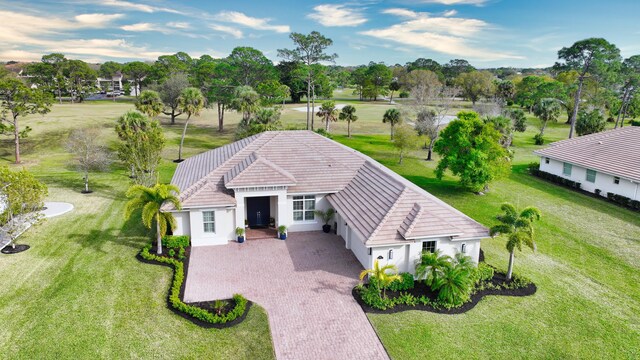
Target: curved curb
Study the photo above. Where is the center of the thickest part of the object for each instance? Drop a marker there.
(56, 208)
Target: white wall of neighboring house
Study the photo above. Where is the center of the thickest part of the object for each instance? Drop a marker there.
(604, 182)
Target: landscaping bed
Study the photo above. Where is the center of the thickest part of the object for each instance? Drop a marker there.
(15, 250)
(421, 297)
(221, 313)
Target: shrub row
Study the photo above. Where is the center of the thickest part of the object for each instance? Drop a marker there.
(175, 241)
(196, 312)
(555, 178)
(624, 201)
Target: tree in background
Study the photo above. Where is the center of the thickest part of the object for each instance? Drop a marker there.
(590, 122)
(506, 92)
(246, 101)
(109, 70)
(454, 68)
(272, 92)
(264, 119)
(151, 200)
(309, 50)
(405, 139)
(149, 103)
(476, 84)
(427, 124)
(392, 117)
(546, 110)
(393, 87)
(471, 149)
(140, 146)
(190, 102)
(328, 112)
(422, 84)
(56, 63)
(81, 79)
(137, 71)
(378, 78)
(90, 154)
(292, 75)
(348, 114)
(249, 67)
(519, 119)
(589, 57)
(167, 65)
(170, 91)
(18, 100)
(630, 75)
(214, 78)
(23, 196)
(518, 227)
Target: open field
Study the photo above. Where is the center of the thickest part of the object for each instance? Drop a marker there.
(79, 292)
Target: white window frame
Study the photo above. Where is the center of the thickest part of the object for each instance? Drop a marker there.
(425, 247)
(306, 210)
(595, 173)
(566, 166)
(206, 222)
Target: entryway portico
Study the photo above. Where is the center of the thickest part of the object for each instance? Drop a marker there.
(256, 205)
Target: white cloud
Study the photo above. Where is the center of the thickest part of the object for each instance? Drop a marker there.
(19, 32)
(332, 15)
(97, 20)
(179, 25)
(450, 13)
(448, 35)
(239, 18)
(236, 33)
(128, 5)
(456, 2)
(141, 27)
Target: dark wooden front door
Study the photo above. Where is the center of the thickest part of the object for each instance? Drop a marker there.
(258, 211)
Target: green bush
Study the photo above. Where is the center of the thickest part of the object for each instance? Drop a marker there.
(624, 201)
(555, 178)
(538, 139)
(194, 311)
(175, 241)
(484, 272)
(172, 253)
(181, 254)
(405, 282)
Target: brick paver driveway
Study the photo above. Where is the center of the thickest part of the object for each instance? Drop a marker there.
(305, 285)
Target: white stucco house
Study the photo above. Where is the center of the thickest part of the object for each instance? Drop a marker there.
(286, 175)
(608, 161)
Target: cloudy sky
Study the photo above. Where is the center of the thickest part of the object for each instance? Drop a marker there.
(486, 32)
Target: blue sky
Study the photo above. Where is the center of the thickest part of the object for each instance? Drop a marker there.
(488, 33)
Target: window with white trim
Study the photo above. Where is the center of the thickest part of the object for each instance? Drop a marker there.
(209, 221)
(566, 169)
(429, 246)
(591, 176)
(304, 208)
(616, 180)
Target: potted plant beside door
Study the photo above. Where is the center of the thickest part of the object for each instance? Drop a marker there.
(282, 231)
(326, 217)
(240, 234)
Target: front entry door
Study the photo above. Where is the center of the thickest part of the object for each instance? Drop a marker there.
(258, 211)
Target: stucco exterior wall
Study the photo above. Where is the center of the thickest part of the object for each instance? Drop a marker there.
(604, 182)
(314, 225)
(224, 227)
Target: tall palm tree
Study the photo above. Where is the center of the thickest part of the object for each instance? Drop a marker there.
(431, 265)
(518, 227)
(348, 114)
(150, 200)
(393, 118)
(190, 102)
(328, 112)
(384, 275)
(149, 103)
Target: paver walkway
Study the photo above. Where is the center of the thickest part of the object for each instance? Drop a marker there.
(305, 285)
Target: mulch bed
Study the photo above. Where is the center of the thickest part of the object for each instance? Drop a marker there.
(18, 249)
(207, 305)
(421, 289)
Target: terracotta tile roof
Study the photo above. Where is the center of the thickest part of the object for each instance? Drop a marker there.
(380, 205)
(615, 152)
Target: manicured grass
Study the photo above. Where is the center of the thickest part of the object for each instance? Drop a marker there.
(79, 292)
(587, 271)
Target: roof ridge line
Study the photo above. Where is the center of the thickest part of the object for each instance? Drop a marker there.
(415, 219)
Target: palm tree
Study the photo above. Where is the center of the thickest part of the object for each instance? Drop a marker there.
(149, 103)
(328, 112)
(150, 200)
(453, 285)
(393, 117)
(348, 114)
(546, 110)
(246, 101)
(430, 266)
(190, 102)
(518, 227)
(383, 278)
(464, 262)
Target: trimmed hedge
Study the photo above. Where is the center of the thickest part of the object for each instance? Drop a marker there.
(555, 178)
(624, 201)
(194, 311)
(175, 241)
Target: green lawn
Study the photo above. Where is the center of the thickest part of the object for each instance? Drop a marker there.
(79, 292)
(587, 270)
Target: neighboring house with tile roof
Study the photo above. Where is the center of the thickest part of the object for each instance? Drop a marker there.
(287, 175)
(608, 161)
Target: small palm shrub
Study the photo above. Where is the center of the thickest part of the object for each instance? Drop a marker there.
(454, 285)
(384, 275)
